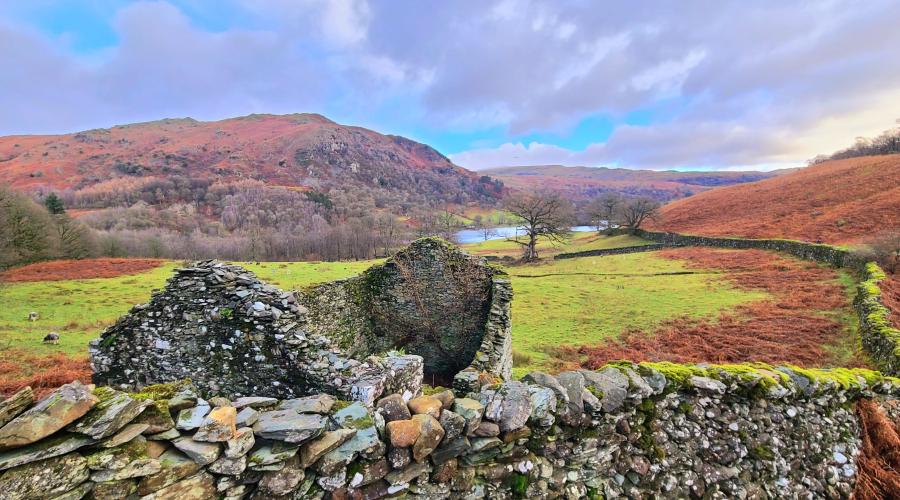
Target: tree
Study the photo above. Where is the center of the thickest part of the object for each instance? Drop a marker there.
(543, 214)
(485, 228)
(602, 209)
(54, 204)
(634, 211)
(886, 250)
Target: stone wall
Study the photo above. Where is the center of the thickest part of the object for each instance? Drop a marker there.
(429, 299)
(880, 340)
(638, 431)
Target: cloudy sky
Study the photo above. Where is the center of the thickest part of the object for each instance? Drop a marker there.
(687, 84)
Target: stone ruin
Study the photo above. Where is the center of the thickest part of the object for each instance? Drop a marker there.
(233, 335)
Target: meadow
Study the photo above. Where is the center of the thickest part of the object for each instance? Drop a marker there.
(561, 311)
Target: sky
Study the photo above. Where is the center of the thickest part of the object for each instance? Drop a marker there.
(725, 85)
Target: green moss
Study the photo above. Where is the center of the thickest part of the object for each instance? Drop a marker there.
(339, 405)
(160, 392)
(596, 392)
(762, 452)
(226, 312)
(685, 407)
(428, 390)
(519, 485)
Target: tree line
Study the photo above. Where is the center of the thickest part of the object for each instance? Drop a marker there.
(886, 143)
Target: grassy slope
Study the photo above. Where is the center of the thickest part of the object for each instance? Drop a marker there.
(588, 299)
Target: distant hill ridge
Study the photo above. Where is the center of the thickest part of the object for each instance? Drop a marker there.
(581, 183)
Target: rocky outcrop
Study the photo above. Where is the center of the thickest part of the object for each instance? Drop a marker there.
(640, 431)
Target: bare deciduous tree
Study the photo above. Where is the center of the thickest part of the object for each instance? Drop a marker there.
(602, 209)
(634, 211)
(542, 215)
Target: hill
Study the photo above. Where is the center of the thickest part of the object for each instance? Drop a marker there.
(581, 183)
(838, 201)
(356, 168)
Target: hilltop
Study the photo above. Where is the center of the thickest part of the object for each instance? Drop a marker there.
(582, 183)
(354, 166)
(837, 201)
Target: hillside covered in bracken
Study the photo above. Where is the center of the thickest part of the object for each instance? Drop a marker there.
(584, 183)
(178, 160)
(840, 201)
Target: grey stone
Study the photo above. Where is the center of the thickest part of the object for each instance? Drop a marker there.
(135, 468)
(573, 383)
(200, 452)
(406, 475)
(254, 402)
(312, 451)
(516, 406)
(246, 417)
(229, 466)
(185, 398)
(399, 457)
(124, 435)
(471, 410)
(370, 472)
(364, 443)
(454, 425)
(191, 418)
(109, 415)
(543, 406)
(450, 450)
(174, 466)
(218, 426)
(612, 383)
(45, 478)
(60, 408)
(284, 481)
(241, 443)
(393, 407)
(289, 426)
(429, 437)
(320, 403)
(59, 444)
(199, 486)
(707, 384)
(354, 416)
(272, 454)
(12, 406)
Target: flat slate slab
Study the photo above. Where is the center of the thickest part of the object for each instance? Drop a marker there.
(289, 426)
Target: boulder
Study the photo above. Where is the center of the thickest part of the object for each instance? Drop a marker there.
(59, 409)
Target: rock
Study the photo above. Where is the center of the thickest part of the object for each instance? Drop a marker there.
(174, 466)
(200, 486)
(548, 381)
(168, 435)
(219, 401)
(117, 458)
(82, 490)
(155, 449)
(228, 466)
(515, 407)
(289, 426)
(246, 417)
(185, 398)
(59, 409)
(515, 435)
(591, 402)
(191, 418)
(543, 406)
(406, 475)
(425, 405)
(454, 425)
(218, 426)
(54, 446)
(470, 410)
(254, 402)
(707, 384)
(446, 398)
(354, 416)
(429, 437)
(113, 490)
(444, 472)
(45, 478)
(271, 454)
(612, 384)
(241, 443)
(370, 472)
(12, 406)
(403, 433)
(284, 481)
(333, 481)
(487, 429)
(312, 451)
(136, 468)
(393, 407)
(573, 383)
(364, 443)
(157, 417)
(124, 435)
(450, 450)
(399, 458)
(200, 452)
(320, 403)
(114, 410)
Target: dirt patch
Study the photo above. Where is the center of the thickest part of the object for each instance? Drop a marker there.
(878, 465)
(43, 373)
(58, 270)
(890, 296)
(798, 325)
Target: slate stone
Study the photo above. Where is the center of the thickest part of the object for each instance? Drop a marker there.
(228, 466)
(12, 406)
(246, 417)
(320, 403)
(79, 492)
(198, 451)
(612, 383)
(54, 446)
(368, 473)
(200, 486)
(354, 416)
(409, 473)
(393, 407)
(174, 466)
(118, 457)
(573, 383)
(124, 435)
(254, 402)
(113, 412)
(543, 406)
(136, 468)
(241, 443)
(549, 381)
(487, 429)
(271, 454)
(364, 443)
(157, 417)
(59, 409)
(284, 481)
(454, 425)
(312, 451)
(707, 384)
(168, 435)
(471, 410)
(446, 398)
(218, 426)
(45, 478)
(515, 407)
(185, 398)
(113, 490)
(289, 426)
(399, 458)
(191, 418)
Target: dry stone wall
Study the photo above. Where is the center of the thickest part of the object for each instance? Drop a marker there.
(633, 431)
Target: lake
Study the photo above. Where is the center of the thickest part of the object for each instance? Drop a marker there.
(474, 235)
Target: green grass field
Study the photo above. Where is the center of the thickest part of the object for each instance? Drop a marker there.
(585, 300)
